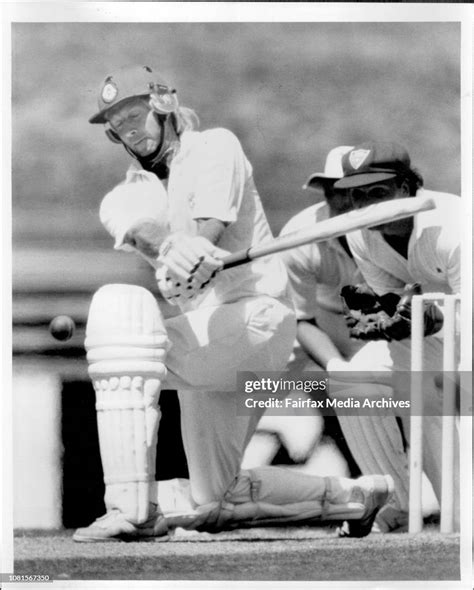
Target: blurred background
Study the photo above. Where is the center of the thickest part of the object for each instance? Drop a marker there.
(291, 92)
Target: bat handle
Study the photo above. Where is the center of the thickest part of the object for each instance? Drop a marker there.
(237, 258)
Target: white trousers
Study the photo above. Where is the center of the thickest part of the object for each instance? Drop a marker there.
(209, 347)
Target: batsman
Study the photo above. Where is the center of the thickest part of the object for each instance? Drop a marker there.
(188, 199)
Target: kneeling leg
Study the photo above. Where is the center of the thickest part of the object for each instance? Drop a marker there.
(215, 436)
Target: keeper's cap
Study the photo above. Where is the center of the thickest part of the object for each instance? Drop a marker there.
(371, 162)
(332, 169)
(134, 81)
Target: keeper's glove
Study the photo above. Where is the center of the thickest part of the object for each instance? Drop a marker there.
(387, 317)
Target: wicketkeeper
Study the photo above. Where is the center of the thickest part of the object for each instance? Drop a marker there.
(187, 199)
(397, 260)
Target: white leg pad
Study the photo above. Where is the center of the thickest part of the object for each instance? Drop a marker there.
(126, 345)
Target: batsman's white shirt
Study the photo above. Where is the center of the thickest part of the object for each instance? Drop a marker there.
(210, 177)
(433, 251)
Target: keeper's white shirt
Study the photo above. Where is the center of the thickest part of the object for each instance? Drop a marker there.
(434, 258)
(319, 270)
(210, 177)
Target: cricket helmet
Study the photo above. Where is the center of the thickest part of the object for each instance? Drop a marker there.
(135, 81)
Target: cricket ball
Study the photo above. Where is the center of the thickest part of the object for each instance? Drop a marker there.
(62, 327)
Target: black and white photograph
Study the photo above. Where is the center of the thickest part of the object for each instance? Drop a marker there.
(237, 300)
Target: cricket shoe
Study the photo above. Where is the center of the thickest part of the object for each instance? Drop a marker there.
(114, 527)
(391, 520)
(372, 491)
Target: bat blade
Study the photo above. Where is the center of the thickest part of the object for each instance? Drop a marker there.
(335, 227)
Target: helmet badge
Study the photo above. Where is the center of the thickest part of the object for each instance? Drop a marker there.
(109, 92)
(358, 157)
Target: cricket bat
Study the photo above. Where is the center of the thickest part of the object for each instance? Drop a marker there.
(335, 227)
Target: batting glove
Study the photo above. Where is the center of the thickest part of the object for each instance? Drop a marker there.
(186, 267)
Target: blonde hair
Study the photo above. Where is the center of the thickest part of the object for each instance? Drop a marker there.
(186, 119)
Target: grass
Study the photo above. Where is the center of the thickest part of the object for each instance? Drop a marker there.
(285, 554)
